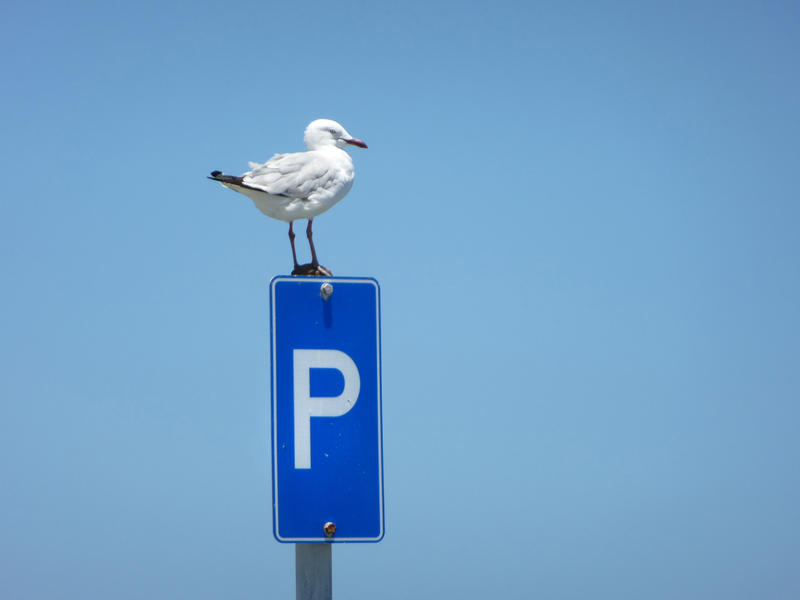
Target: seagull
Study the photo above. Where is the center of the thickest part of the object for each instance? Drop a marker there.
(301, 185)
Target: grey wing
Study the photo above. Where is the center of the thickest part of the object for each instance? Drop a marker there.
(296, 175)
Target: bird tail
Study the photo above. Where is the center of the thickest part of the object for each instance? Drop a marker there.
(222, 178)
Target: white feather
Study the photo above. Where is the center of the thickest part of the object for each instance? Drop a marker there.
(302, 185)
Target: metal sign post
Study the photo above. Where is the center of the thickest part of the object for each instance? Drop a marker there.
(313, 572)
(327, 456)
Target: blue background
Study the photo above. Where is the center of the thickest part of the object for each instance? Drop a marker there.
(344, 484)
(584, 219)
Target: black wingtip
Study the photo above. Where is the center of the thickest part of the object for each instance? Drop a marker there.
(222, 178)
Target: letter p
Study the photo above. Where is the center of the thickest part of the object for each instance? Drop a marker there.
(307, 406)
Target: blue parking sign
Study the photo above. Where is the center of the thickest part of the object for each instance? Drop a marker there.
(327, 456)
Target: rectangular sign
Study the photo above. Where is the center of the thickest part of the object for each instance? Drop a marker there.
(327, 456)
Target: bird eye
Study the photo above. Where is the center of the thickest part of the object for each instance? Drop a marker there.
(332, 131)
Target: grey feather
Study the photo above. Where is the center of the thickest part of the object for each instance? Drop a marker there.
(296, 175)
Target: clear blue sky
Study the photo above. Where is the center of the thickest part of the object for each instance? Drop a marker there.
(585, 219)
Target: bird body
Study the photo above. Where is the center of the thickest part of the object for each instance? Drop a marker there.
(300, 185)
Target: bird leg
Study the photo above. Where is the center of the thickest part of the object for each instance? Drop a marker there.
(313, 268)
(311, 243)
(291, 241)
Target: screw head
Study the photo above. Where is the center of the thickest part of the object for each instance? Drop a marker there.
(325, 290)
(329, 528)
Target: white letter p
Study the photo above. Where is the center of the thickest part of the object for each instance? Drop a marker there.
(307, 406)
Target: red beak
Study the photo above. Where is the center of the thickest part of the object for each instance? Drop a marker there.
(356, 142)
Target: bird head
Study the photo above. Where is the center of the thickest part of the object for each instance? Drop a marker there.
(324, 132)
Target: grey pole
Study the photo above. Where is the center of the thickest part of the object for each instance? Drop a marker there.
(313, 574)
